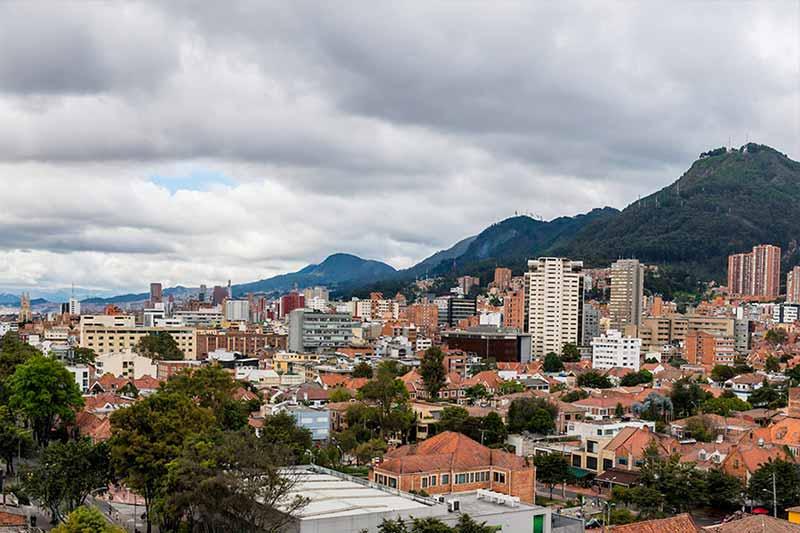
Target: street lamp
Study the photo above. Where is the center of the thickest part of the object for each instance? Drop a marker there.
(608, 507)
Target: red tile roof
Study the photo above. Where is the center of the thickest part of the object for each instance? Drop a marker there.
(682, 523)
(447, 451)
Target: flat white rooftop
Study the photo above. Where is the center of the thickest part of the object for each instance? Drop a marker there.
(330, 496)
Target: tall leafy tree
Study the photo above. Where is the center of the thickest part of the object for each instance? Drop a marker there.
(687, 397)
(14, 440)
(362, 370)
(594, 380)
(150, 434)
(552, 363)
(44, 391)
(13, 352)
(432, 371)
(87, 520)
(531, 414)
(230, 481)
(724, 490)
(66, 474)
(781, 474)
(159, 346)
(391, 398)
(282, 432)
(552, 469)
(570, 353)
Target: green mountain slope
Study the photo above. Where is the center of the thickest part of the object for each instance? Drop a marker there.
(725, 203)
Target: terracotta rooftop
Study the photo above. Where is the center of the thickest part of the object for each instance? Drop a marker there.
(682, 523)
(447, 451)
(756, 524)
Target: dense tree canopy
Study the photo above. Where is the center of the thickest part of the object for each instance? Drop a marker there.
(532, 414)
(786, 479)
(432, 371)
(160, 346)
(87, 520)
(552, 363)
(45, 392)
(594, 380)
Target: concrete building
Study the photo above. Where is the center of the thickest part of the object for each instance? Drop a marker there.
(793, 286)
(613, 350)
(212, 317)
(466, 283)
(290, 302)
(108, 333)
(514, 310)
(340, 503)
(460, 309)
(741, 335)
(81, 375)
(702, 348)
(74, 307)
(156, 294)
(316, 292)
(127, 364)
(555, 301)
(502, 278)
(786, 313)
(755, 275)
(501, 344)
(237, 310)
(627, 286)
(311, 331)
(590, 324)
(314, 419)
(425, 316)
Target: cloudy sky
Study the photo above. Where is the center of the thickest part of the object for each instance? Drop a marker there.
(196, 142)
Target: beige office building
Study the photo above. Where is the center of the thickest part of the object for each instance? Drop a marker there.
(108, 334)
(627, 286)
(555, 297)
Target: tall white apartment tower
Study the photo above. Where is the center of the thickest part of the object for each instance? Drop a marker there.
(627, 286)
(555, 301)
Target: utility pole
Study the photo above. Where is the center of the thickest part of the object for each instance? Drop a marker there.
(774, 497)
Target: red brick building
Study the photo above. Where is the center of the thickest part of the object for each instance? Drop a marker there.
(755, 275)
(425, 317)
(514, 310)
(248, 343)
(451, 462)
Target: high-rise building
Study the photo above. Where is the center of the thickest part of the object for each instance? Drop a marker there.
(465, 283)
(502, 278)
(290, 302)
(311, 331)
(425, 316)
(72, 307)
(201, 296)
(156, 296)
(514, 310)
(793, 286)
(701, 348)
(590, 324)
(755, 274)
(218, 295)
(460, 309)
(613, 350)
(322, 293)
(555, 301)
(627, 285)
(237, 310)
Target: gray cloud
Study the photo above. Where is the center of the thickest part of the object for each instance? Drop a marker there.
(384, 130)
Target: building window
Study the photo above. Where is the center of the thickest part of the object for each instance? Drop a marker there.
(445, 479)
(432, 481)
(499, 477)
(576, 461)
(591, 463)
(424, 483)
(392, 482)
(461, 479)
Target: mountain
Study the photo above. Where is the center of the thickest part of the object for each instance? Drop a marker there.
(335, 270)
(728, 201)
(426, 265)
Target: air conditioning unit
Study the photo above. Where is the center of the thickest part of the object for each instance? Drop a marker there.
(453, 506)
(440, 499)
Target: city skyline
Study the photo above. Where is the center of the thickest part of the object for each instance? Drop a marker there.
(117, 170)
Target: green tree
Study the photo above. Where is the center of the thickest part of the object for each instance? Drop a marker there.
(552, 363)
(725, 406)
(531, 414)
(767, 396)
(452, 418)
(701, 428)
(619, 411)
(593, 380)
(552, 469)
(282, 432)
(148, 435)
(570, 353)
(477, 392)
(83, 356)
(211, 485)
(667, 484)
(45, 392)
(391, 399)
(687, 397)
(636, 378)
(772, 364)
(574, 395)
(776, 336)
(369, 450)
(432, 371)
(87, 520)
(340, 394)
(722, 373)
(786, 479)
(212, 387)
(14, 440)
(510, 387)
(794, 375)
(621, 516)
(66, 474)
(494, 430)
(724, 491)
(13, 352)
(362, 370)
(465, 524)
(159, 346)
